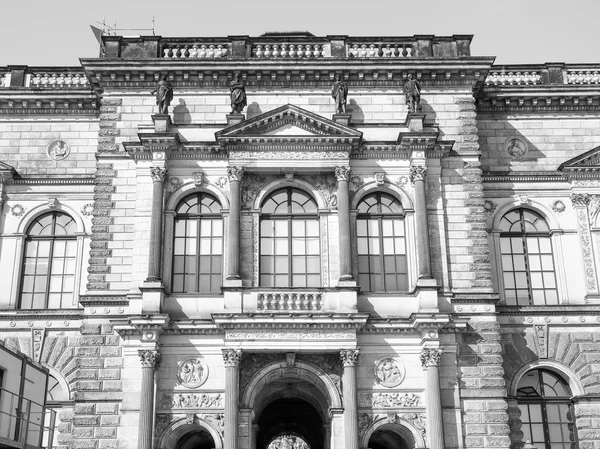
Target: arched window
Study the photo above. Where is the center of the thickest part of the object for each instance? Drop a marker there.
(381, 244)
(198, 245)
(544, 400)
(527, 261)
(48, 280)
(289, 240)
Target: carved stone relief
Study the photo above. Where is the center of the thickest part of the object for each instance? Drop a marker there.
(192, 372)
(389, 400)
(190, 400)
(251, 187)
(389, 372)
(327, 185)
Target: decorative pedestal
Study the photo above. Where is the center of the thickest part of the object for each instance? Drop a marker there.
(234, 119)
(342, 119)
(414, 122)
(161, 123)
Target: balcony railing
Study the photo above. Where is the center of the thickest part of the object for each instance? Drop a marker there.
(289, 301)
(24, 423)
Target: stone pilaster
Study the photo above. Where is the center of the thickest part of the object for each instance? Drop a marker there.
(231, 359)
(235, 175)
(430, 360)
(418, 173)
(580, 202)
(342, 175)
(350, 360)
(150, 360)
(158, 175)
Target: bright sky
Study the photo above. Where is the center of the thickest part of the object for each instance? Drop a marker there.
(54, 33)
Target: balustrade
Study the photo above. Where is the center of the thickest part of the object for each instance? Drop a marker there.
(4, 79)
(380, 50)
(58, 80)
(196, 51)
(509, 78)
(288, 51)
(289, 301)
(583, 77)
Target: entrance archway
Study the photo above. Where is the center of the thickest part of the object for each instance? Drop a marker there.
(199, 439)
(190, 432)
(405, 432)
(293, 417)
(387, 438)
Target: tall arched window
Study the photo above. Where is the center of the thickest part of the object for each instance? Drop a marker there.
(289, 240)
(198, 245)
(546, 410)
(381, 244)
(49, 263)
(527, 261)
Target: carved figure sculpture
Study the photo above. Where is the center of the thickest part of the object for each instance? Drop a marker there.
(412, 94)
(339, 92)
(238, 94)
(164, 95)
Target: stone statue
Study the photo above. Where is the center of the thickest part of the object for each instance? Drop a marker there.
(238, 94)
(339, 91)
(412, 94)
(164, 95)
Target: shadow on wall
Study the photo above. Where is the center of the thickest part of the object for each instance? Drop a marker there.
(181, 114)
(353, 108)
(253, 110)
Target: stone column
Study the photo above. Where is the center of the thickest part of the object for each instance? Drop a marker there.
(342, 174)
(417, 176)
(150, 360)
(430, 360)
(231, 358)
(235, 175)
(158, 179)
(350, 360)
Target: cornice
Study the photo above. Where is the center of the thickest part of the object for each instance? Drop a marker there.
(583, 309)
(41, 314)
(287, 321)
(467, 298)
(103, 300)
(544, 177)
(52, 181)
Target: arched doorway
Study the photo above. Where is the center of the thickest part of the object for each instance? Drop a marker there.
(196, 439)
(191, 432)
(392, 431)
(387, 437)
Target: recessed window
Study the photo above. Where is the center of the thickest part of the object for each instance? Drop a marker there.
(289, 240)
(527, 259)
(49, 263)
(546, 410)
(198, 245)
(381, 244)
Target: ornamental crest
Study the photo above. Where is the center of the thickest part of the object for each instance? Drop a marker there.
(389, 372)
(192, 372)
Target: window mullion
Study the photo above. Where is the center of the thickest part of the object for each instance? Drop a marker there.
(290, 277)
(197, 270)
(381, 258)
(49, 271)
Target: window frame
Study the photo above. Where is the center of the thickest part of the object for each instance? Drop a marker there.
(198, 218)
(289, 218)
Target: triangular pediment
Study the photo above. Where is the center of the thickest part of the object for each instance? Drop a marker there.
(588, 161)
(288, 122)
(6, 172)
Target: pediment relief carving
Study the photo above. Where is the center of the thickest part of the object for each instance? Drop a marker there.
(586, 162)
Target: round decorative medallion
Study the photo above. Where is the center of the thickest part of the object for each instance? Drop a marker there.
(516, 147)
(192, 372)
(57, 150)
(389, 372)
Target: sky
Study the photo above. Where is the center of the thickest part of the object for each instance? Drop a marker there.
(57, 33)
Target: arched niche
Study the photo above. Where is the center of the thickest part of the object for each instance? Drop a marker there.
(182, 427)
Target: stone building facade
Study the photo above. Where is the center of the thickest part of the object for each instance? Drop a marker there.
(296, 277)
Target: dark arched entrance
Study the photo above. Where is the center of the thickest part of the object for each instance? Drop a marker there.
(290, 416)
(197, 439)
(387, 438)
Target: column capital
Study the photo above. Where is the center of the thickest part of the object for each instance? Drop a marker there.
(158, 174)
(581, 199)
(342, 173)
(417, 173)
(150, 358)
(232, 357)
(430, 357)
(235, 173)
(349, 356)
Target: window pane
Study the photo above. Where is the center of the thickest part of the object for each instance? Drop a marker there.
(312, 228)
(298, 246)
(312, 246)
(313, 264)
(373, 227)
(298, 228)
(266, 246)
(179, 228)
(267, 228)
(298, 264)
(266, 264)
(361, 228)
(516, 245)
(281, 228)
(374, 246)
(281, 264)
(217, 246)
(281, 246)
(388, 245)
(362, 246)
(299, 281)
(313, 280)
(400, 245)
(387, 227)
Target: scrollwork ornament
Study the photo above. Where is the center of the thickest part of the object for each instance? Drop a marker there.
(580, 199)
(430, 357)
(149, 358)
(235, 173)
(232, 357)
(158, 174)
(418, 420)
(17, 210)
(342, 173)
(417, 173)
(349, 356)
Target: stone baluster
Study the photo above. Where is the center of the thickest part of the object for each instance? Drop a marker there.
(158, 175)
(430, 360)
(342, 175)
(231, 358)
(235, 175)
(418, 174)
(350, 360)
(150, 360)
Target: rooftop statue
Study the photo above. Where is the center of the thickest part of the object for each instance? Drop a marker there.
(164, 95)
(238, 94)
(339, 91)
(412, 94)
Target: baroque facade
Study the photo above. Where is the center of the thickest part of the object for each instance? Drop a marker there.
(310, 272)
